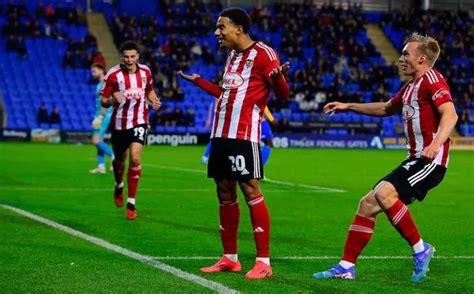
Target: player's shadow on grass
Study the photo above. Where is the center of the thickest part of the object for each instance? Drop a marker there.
(243, 235)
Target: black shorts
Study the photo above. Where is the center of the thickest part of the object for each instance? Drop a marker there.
(236, 160)
(414, 177)
(121, 139)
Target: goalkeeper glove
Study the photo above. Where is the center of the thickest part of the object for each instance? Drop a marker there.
(97, 122)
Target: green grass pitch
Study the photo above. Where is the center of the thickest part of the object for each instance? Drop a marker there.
(178, 217)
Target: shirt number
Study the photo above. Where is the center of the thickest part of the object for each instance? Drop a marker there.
(140, 133)
(238, 163)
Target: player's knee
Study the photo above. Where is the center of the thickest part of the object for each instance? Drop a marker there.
(382, 196)
(226, 196)
(364, 203)
(135, 160)
(368, 206)
(251, 190)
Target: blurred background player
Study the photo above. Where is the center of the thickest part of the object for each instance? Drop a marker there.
(266, 140)
(130, 85)
(429, 116)
(208, 125)
(101, 122)
(252, 70)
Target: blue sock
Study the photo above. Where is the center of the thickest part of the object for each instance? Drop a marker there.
(105, 149)
(266, 153)
(208, 150)
(100, 156)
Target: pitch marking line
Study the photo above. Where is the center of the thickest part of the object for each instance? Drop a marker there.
(72, 189)
(121, 250)
(303, 257)
(277, 182)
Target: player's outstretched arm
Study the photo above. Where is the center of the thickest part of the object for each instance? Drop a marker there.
(447, 123)
(373, 109)
(196, 79)
(279, 83)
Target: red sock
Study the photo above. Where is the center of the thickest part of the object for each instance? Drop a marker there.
(261, 225)
(401, 219)
(134, 173)
(360, 232)
(229, 215)
(118, 171)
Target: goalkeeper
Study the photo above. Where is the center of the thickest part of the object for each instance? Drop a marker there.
(101, 122)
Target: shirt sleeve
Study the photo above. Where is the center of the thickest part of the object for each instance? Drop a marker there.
(109, 86)
(210, 88)
(440, 93)
(149, 83)
(269, 65)
(279, 85)
(397, 99)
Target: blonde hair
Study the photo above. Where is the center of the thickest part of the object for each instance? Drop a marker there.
(427, 46)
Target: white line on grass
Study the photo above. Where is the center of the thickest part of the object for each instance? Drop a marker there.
(65, 189)
(303, 257)
(78, 189)
(133, 255)
(277, 182)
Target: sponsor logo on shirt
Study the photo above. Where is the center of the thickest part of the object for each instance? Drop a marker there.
(133, 93)
(232, 80)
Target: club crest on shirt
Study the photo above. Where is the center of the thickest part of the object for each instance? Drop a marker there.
(249, 63)
(143, 80)
(232, 80)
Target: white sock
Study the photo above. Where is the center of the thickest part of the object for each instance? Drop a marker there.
(265, 260)
(131, 201)
(346, 264)
(101, 166)
(232, 257)
(418, 247)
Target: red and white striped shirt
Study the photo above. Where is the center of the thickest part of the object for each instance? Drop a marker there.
(134, 87)
(419, 100)
(245, 93)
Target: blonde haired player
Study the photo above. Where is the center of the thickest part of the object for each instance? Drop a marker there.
(429, 117)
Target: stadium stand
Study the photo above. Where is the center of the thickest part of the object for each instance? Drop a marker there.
(331, 58)
(37, 76)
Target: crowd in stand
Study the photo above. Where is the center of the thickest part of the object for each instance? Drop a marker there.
(42, 116)
(169, 117)
(82, 53)
(454, 31)
(334, 60)
(47, 22)
(339, 66)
